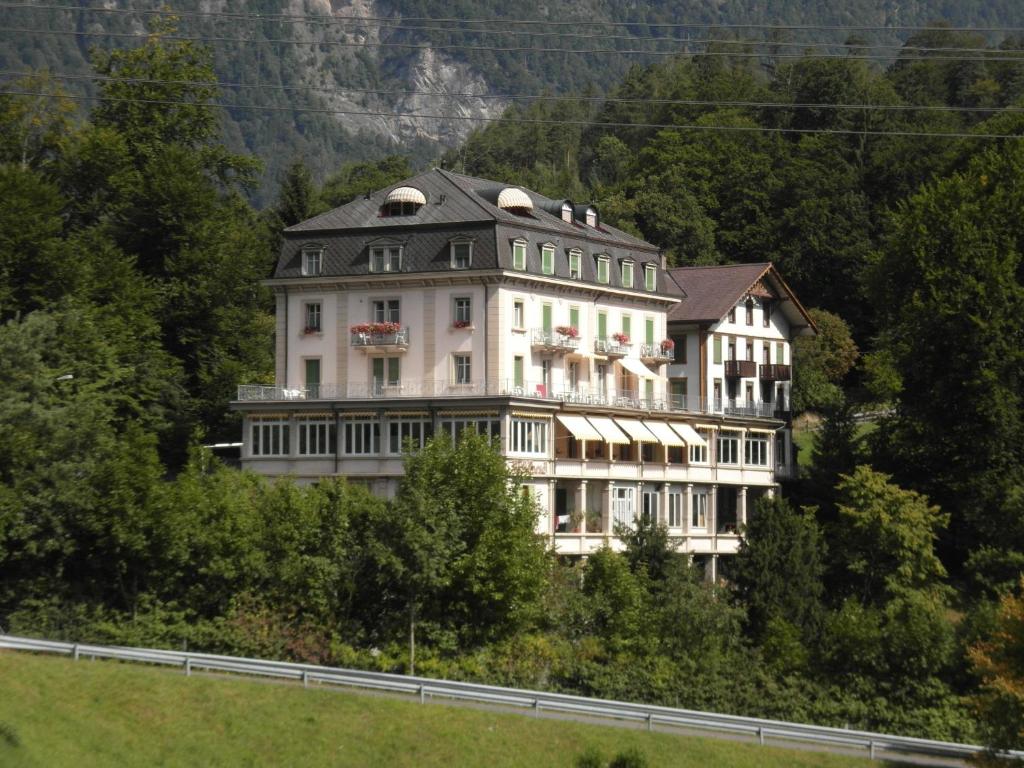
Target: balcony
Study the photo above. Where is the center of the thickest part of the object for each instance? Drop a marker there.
(655, 353)
(775, 372)
(612, 348)
(553, 341)
(740, 369)
(380, 337)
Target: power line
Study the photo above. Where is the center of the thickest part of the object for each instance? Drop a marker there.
(537, 121)
(402, 25)
(995, 56)
(522, 97)
(536, 22)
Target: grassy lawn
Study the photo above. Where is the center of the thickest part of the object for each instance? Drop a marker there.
(56, 712)
(804, 440)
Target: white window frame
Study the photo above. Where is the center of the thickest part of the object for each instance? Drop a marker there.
(699, 509)
(675, 509)
(269, 436)
(623, 506)
(650, 277)
(360, 437)
(316, 436)
(462, 368)
(386, 308)
(455, 244)
(591, 217)
(401, 429)
(312, 260)
(575, 264)
(313, 311)
(627, 268)
(603, 265)
(518, 314)
(389, 256)
(699, 453)
(547, 259)
(755, 449)
(519, 254)
(728, 446)
(529, 437)
(462, 309)
(567, 213)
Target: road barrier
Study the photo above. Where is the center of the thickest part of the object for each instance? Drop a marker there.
(924, 751)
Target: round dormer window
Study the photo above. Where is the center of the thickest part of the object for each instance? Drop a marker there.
(403, 201)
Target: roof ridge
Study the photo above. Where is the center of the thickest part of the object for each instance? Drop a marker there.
(723, 266)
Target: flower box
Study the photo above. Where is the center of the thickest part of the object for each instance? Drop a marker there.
(621, 338)
(569, 331)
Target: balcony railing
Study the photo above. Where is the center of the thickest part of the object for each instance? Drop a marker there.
(656, 353)
(612, 348)
(774, 372)
(397, 340)
(740, 369)
(582, 394)
(554, 341)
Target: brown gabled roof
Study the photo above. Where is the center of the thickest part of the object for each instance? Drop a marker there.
(708, 293)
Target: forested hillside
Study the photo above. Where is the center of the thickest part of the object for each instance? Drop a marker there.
(343, 81)
(881, 592)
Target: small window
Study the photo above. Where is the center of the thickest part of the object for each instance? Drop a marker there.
(627, 274)
(313, 314)
(750, 311)
(462, 314)
(547, 259)
(728, 447)
(755, 449)
(312, 261)
(717, 349)
(387, 311)
(576, 264)
(699, 510)
(679, 349)
(602, 269)
(386, 259)
(519, 254)
(462, 255)
(780, 353)
(732, 314)
(567, 212)
(766, 313)
(591, 217)
(650, 277)
(699, 453)
(518, 314)
(463, 370)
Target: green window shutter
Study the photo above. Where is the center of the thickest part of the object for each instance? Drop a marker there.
(312, 373)
(517, 371)
(378, 369)
(780, 351)
(718, 349)
(547, 318)
(650, 331)
(602, 326)
(547, 260)
(649, 387)
(393, 370)
(627, 323)
(574, 317)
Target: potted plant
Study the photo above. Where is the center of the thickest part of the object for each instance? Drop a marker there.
(309, 329)
(569, 331)
(620, 338)
(361, 328)
(461, 324)
(667, 345)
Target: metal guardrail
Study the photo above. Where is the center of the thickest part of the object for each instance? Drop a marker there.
(763, 730)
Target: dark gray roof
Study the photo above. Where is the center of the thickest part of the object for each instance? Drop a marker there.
(459, 205)
(710, 292)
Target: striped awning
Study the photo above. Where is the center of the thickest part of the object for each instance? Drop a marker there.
(689, 434)
(636, 430)
(633, 365)
(609, 432)
(511, 197)
(406, 195)
(579, 427)
(665, 434)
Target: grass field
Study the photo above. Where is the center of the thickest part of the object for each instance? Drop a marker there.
(804, 439)
(56, 712)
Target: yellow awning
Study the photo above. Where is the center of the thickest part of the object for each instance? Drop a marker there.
(689, 434)
(580, 428)
(664, 433)
(609, 432)
(636, 430)
(635, 366)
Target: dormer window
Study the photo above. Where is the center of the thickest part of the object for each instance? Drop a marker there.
(386, 258)
(547, 259)
(515, 201)
(312, 260)
(403, 201)
(592, 217)
(602, 268)
(576, 264)
(650, 277)
(567, 212)
(519, 254)
(462, 254)
(627, 274)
